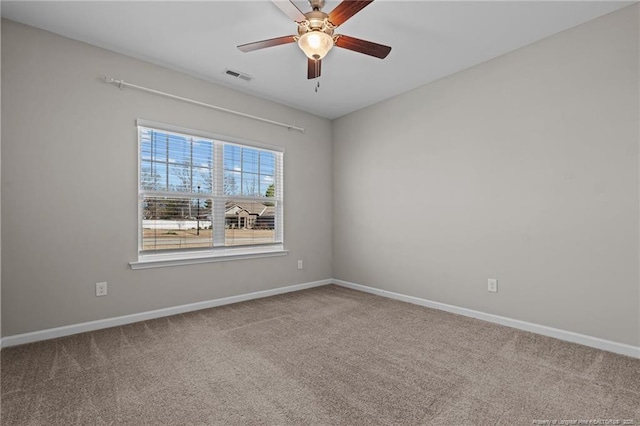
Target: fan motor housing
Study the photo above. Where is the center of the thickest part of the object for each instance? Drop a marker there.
(316, 21)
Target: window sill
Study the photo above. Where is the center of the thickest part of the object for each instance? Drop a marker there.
(166, 260)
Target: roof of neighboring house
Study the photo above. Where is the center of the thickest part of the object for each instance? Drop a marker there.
(252, 207)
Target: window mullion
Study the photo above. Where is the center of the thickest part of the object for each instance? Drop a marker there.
(278, 191)
(167, 160)
(219, 201)
(140, 195)
(241, 171)
(191, 165)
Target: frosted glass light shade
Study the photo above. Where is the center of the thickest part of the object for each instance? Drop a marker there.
(315, 44)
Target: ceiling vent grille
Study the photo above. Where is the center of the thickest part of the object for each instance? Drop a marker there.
(238, 74)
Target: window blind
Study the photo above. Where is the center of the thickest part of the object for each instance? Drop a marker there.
(206, 194)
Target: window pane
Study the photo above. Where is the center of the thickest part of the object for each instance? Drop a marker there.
(176, 223)
(179, 178)
(232, 157)
(202, 153)
(231, 182)
(145, 145)
(250, 160)
(250, 185)
(153, 176)
(148, 179)
(203, 178)
(179, 150)
(249, 172)
(267, 163)
(266, 186)
(158, 147)
(249, 223)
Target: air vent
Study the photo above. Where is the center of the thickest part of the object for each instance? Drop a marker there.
(238, 74)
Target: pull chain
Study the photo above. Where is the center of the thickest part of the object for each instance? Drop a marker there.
(317, 64)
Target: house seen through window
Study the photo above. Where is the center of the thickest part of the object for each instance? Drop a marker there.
(204, 194)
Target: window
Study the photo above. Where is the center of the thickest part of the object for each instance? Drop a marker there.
(205, 196)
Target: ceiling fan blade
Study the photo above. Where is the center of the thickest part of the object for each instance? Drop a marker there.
(290, 9)
(313, 68)
(346, 10)
(250, 47)
(363, 46)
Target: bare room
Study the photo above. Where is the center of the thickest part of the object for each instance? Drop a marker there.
(317, 212)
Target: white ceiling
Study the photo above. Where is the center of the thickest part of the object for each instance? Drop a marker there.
(430, 39)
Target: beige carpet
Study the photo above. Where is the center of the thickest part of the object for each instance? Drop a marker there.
(322, 356)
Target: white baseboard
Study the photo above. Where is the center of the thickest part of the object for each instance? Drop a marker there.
(569, 336)
(52, 333)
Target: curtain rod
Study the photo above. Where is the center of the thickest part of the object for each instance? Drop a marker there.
(122, 83)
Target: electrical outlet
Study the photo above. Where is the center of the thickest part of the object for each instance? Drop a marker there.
(101, 289)
(300, 264)
(492, 285)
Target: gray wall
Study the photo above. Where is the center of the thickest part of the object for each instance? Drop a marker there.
(524, 168)
(69, 185)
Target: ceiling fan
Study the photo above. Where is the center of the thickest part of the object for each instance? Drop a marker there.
(315, 33)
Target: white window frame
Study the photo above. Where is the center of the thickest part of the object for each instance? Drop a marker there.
(218, 252)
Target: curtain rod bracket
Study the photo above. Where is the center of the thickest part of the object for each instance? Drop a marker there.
(110, 80)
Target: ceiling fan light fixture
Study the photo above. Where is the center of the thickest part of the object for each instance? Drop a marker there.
(315, 44)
